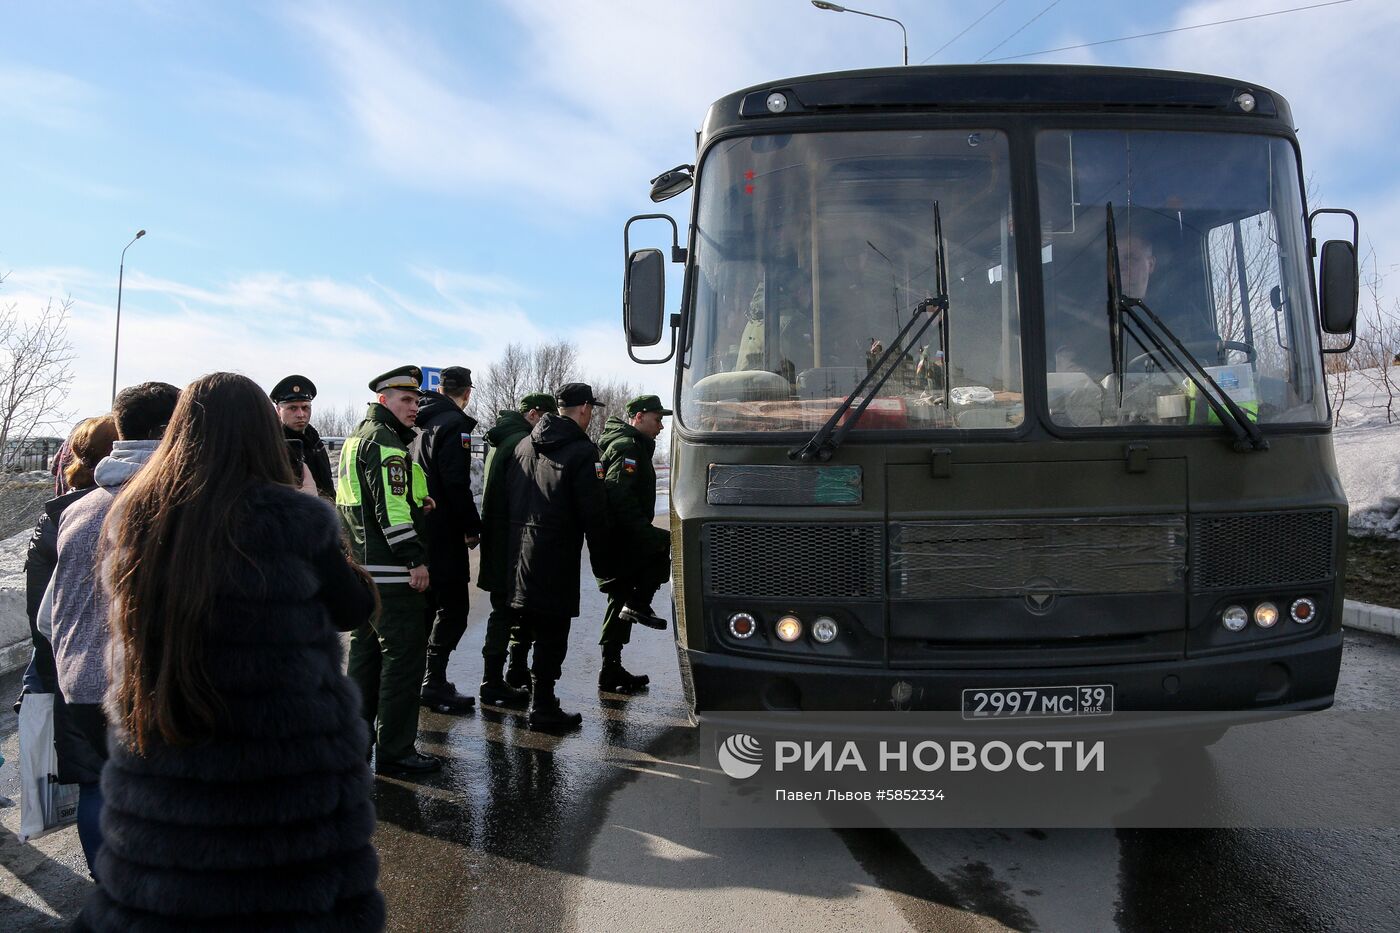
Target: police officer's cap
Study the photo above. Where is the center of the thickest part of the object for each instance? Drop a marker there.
(576, 393)
(405, 377)
(541, 400)
(294, 389)
(456, 378)
(646, 403)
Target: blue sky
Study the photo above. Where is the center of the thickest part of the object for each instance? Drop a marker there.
(334, 189)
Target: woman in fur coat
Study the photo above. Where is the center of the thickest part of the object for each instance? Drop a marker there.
(237, 795)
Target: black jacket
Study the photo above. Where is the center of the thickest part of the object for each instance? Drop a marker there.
(318, 461)
(555, 497)
(443, 449)
(39, 562)
(266, 825)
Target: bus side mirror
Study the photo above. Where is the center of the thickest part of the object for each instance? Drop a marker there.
(644, 297)
(1338, 287)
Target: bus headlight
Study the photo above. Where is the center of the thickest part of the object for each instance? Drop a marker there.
(742, 625)
(1235, 618)
(824, 630)
(1303, 610)
(789, 628)
(1265, 615)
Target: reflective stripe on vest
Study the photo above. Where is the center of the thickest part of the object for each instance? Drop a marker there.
(347, 487)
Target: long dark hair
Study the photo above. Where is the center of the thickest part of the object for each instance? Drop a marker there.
(169, 533)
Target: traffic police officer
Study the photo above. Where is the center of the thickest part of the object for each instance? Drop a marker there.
(505, 626)
(382, 497)
(630, 480)
(293, 397)
(444, 450)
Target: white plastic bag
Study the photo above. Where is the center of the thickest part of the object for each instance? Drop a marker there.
(45, 805)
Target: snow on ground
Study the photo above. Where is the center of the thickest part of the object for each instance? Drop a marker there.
(12, 552)
(1368, 457)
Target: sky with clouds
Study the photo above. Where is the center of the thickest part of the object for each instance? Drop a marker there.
(337, 188)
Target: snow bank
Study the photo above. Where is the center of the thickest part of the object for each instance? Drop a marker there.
(1368, 458)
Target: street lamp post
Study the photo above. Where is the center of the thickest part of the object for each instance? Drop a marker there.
(836, 8)
(116, 339)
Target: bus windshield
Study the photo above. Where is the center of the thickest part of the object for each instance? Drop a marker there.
(1210, 237)
(812, 252)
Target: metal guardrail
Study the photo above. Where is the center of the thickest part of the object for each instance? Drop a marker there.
(31, 453)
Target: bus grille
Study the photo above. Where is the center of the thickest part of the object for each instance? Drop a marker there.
(764, 560)
(1262, 549)
(1001, 558)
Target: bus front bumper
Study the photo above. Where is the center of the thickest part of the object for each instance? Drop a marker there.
(1298, 676)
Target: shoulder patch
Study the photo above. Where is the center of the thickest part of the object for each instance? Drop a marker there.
(466, 442)
(629, 465)
(598, 468)
(396, 474)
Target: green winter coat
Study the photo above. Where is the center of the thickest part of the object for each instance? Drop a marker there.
(379, 494)
(511, 428)
(630, 480)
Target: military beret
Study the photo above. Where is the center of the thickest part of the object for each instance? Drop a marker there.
(405, 377)
(541, 400)
(294, 389)
(576, 393)
(646, 403)
(456, 378)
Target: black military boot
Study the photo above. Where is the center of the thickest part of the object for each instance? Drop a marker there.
(545, 714)
(518, 673)
(438, 693)
(642, 615)
(614, 677)
(412, 763)
(496, 691)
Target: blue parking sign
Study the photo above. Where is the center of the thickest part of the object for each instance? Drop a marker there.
(432, 378)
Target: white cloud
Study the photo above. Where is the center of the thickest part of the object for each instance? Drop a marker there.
(48, 99)
(269, 324)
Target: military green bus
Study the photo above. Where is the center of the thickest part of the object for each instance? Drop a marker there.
(1000, 390)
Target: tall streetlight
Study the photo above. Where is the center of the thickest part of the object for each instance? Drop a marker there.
(836, 8)
(116, 340)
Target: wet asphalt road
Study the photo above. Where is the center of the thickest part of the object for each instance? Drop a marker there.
(598, 830)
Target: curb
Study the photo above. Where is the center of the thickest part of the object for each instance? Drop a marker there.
(1380, 619)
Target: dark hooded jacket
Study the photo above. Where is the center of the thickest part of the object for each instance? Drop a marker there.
(443, 448)
(554, 492)
(511, 428)
(266, 825)
(39, 563)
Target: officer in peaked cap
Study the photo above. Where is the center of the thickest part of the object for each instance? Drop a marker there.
(293, 397)
(382, 497)
(627, 446)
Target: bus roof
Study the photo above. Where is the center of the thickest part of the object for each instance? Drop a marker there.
(983, 88)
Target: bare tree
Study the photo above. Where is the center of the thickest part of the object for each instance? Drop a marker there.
(338, 422)
(1377, 341)
(616, 393)
(520, 371)
(36, 359)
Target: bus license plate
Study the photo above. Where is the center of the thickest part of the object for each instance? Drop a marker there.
(1029, 702)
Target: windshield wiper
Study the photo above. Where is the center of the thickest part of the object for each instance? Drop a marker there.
(829, 437)
(1124, 309)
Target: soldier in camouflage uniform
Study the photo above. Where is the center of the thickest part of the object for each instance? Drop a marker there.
(382, 496)
(630, 480)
